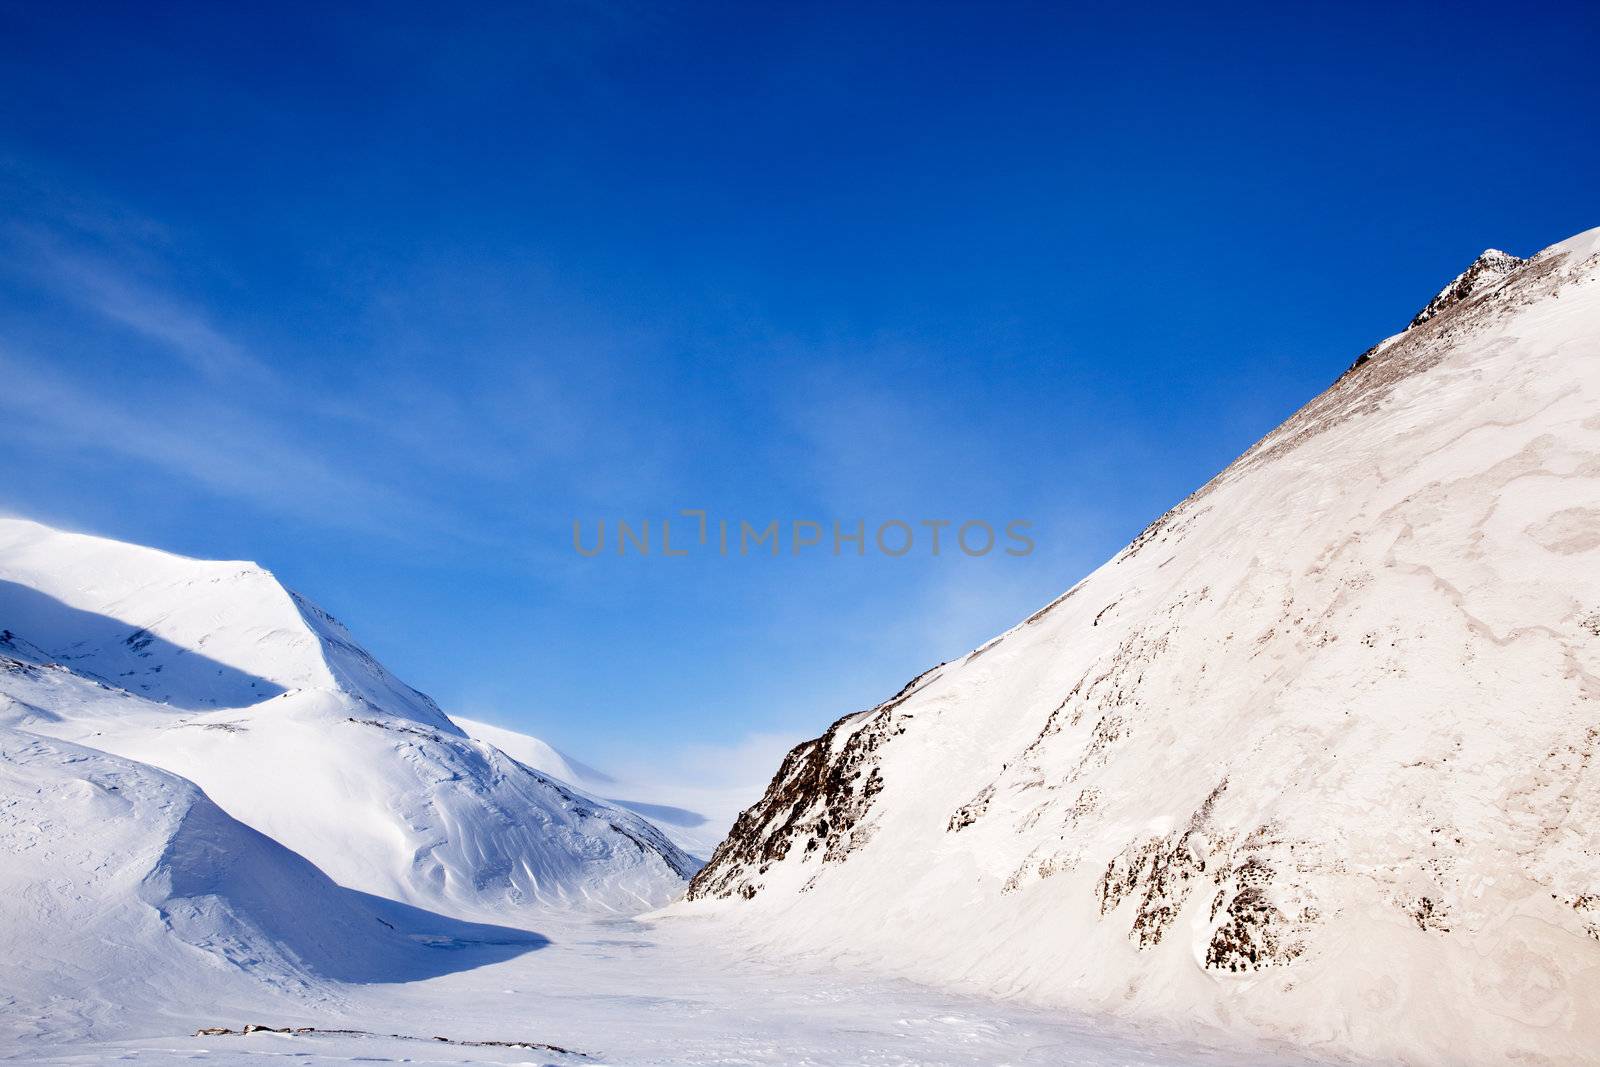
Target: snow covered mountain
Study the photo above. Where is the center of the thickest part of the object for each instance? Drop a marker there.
(1487, 271)
(1315, 755)
(216, 673)
(129, 879)
(694, 815)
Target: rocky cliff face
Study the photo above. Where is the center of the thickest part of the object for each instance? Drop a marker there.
(817, 802)
(1487, 271)
(1313, 755)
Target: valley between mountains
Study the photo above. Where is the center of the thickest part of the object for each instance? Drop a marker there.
(1304, 774)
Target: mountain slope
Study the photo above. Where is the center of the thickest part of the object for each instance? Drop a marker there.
(694, 815)
(1487, 271)
(1314, 755)
(216, 673)
(130, 892)
(186, 632)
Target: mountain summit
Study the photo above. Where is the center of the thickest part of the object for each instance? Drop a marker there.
(213, 671)
(1315, 755)
(1487, 271)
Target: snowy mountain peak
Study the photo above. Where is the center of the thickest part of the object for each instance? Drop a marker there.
(194, 634)
(216, 672)
(1316, 753)
(1487, 271)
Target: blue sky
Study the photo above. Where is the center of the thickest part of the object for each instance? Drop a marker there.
(385, 298)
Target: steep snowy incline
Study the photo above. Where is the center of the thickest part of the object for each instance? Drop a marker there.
(1315, 755)
(186, 632)
(304, 736)
(131, 895)
(538, 754)
(695, 816)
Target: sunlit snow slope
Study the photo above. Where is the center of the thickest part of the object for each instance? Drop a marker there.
(1314, 755)
(130, 895)
(695, 816)
(215, 672)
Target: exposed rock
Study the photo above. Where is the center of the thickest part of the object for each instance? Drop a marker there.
(1487, 271)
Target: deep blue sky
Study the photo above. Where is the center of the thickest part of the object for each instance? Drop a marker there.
(384, 299)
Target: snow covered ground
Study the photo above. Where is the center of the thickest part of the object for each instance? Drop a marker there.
(628, 992)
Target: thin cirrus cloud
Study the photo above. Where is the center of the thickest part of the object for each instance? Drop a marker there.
(362, 471)
(208, 410)
(226, 450)
(431, 442)
(184, 422)
(92, 255)
(153, 315)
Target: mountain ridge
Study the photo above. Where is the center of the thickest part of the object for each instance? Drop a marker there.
(1155, 795)
(216, 672)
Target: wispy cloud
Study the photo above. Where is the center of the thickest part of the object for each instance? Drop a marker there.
(160, 375)
(102, 258)
(205, 408)
(221, 448)
(99, 285)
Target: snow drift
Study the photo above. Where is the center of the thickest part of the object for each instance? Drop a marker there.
(1314, 756)
(215, 672)
(129, 881)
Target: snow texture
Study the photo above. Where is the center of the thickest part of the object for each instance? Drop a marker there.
(1314, 757)
(216, 673)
